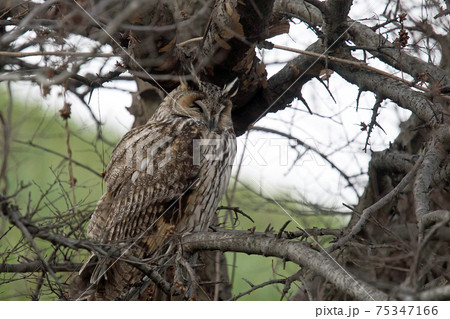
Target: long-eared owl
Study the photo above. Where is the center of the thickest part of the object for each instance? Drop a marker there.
(164, 179)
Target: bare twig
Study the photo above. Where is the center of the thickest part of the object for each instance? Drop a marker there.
(31, 143)
(37, 265)
(237, 211)
(56, 53)
(376, 206)
(411, 280)
(308, 147)
(280, 232)
(256, 287)
(72, 180)
(29, 230)
(373, 121)
(5, 122)
(15, 219)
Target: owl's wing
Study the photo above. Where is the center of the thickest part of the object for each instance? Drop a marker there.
(150, 170)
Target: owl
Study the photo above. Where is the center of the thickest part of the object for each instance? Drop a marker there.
(164, 179)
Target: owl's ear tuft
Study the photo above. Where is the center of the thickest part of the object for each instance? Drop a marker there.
(231, 89)
(184, 84)
(194, 79)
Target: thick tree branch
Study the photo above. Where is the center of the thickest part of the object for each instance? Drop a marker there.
(385, 50)
(432, 159)
(364, 36)
(335, 20)
(228, 47)
(307, 11)
(392, 161)
(299, 253)
(398, 92)
(435, 153)
(281, 89)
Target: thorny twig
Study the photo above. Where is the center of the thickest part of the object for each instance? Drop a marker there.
(256, 287)
(376, 206)
(373, 121)
(236, 211)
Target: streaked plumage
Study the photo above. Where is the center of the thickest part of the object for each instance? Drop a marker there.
(164, 179)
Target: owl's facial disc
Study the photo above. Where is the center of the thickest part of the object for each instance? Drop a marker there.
(188, 100)
(188, 106)
(211, 108)
(207, 114)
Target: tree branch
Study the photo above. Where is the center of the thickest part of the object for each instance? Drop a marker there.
(431, 162)
(299, 253)
(384, 50)
(263, 244)
(335, 18)
(256, 287)
(281, 89)
(400, 93)
(37, 265)
(308, 147)
(86, 167)
(376, 206)
(438, 293)
(365, 36)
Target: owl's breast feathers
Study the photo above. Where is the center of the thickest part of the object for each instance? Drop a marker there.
(160, 183)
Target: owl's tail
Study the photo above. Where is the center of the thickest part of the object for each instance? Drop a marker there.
(103, 279)
(80, 287)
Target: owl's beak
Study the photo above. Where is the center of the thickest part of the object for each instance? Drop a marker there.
(212, 123)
